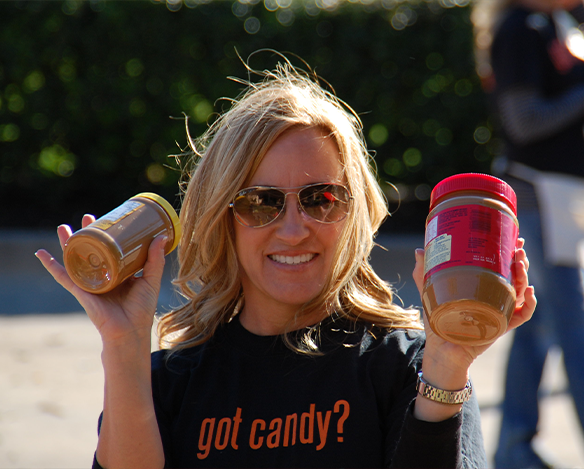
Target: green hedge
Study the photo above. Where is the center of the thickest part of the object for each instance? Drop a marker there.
(92, 93)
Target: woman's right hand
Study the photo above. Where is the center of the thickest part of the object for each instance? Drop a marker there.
(129, 435)
(126, 312)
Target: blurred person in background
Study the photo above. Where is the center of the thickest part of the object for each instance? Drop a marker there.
(529, 57)
(289, 350)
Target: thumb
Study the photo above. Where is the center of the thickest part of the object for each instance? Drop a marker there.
(154, 266)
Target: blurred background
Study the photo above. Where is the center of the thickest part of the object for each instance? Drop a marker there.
(94, 96)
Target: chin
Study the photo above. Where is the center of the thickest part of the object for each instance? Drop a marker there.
(299, 294)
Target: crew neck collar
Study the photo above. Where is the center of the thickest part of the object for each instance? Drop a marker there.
(331, 330)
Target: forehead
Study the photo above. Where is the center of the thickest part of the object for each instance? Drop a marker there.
(298, 157)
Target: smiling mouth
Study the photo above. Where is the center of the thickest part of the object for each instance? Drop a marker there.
(292, 260)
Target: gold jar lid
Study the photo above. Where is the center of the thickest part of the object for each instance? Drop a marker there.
(176, 226)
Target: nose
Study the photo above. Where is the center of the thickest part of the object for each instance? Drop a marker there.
(292, 225)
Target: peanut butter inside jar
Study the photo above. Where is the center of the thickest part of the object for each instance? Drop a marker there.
(471, 236)
(113, 248)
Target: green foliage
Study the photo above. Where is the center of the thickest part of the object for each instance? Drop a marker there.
(92, 93)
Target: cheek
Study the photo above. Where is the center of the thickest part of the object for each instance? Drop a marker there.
(331, 238)
(248, 245)
(240, 244)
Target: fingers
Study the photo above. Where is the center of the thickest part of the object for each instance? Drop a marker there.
(154, 267)
(56, 270)
(526, 301)
(524, 312)
(520, 281)
(46, 259)
(64, 232)
(87, 220)
(521, 255)
(519, 271)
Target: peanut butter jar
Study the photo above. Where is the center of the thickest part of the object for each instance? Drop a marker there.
(115, 247)
(471, 237)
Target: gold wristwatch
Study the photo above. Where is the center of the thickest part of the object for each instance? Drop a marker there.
(440, 395)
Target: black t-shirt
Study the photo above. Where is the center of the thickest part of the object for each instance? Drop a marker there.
(242, 400)
(526, 51)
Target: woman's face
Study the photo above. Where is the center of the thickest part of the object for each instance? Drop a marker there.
(285, 263)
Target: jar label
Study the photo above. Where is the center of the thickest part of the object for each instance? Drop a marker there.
(117, 214)
(470, 235)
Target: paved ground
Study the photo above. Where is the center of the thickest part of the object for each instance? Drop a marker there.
(51, 381)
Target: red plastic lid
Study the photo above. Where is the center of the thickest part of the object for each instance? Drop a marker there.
(474, 182)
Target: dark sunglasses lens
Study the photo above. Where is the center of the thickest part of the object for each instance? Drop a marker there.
(327, 203)
(257, 207)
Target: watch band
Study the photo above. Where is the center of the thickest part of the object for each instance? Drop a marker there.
(440, 395)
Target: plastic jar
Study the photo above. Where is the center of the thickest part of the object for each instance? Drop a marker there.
(114, 247)
(471, 237)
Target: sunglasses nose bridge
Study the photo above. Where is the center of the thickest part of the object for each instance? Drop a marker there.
(298, 204)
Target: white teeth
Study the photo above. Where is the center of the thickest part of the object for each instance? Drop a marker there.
(292, 260)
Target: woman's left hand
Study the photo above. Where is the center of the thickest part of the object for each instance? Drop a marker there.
(446, 365)
(526, 301)
(524, 304)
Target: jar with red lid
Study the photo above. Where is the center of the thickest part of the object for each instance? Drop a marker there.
(471, 237)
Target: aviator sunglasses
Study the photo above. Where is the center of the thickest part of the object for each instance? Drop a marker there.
(260, 205)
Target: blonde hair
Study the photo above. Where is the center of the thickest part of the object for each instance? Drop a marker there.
(224, 159)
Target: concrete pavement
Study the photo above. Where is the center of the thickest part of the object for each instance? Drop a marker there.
(51, 380)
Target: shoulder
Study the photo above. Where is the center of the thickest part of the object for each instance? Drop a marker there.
(395, 345)
(176, 363)
(408, 343)
(184, 360)
(172, 371)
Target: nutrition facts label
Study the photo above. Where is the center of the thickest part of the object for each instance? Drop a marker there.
(438, 251)
(117, 214)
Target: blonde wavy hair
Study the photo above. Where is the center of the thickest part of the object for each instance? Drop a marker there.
(223, 161)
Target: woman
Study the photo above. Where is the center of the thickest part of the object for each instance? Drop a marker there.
(289, 351)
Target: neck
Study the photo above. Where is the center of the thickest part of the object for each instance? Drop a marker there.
(277, 322)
